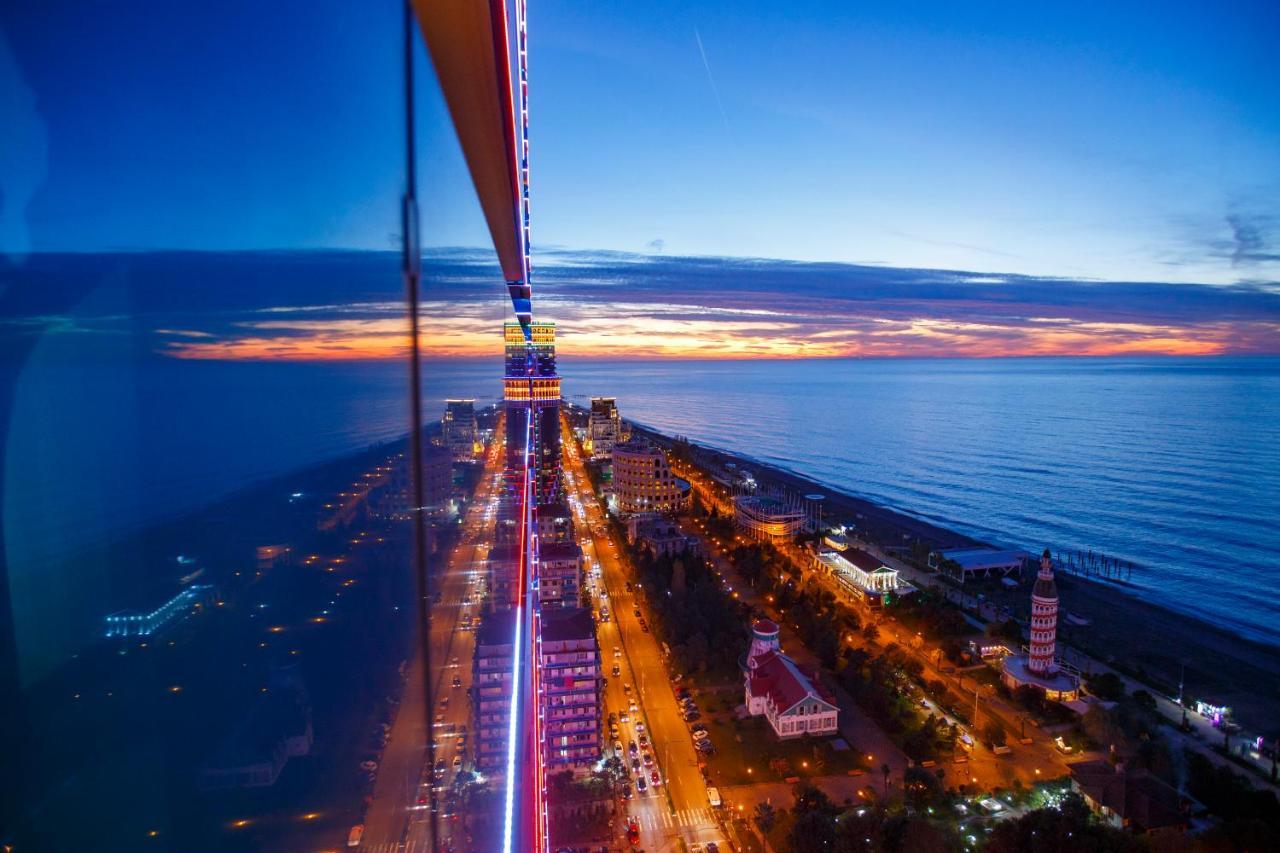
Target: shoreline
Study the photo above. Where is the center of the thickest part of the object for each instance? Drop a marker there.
(1220, 665)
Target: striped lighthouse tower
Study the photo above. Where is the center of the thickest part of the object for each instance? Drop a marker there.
(1044, 619)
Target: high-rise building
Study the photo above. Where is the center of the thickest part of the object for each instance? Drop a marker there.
(491, 680)
(569, 672)
(559, 574)
(604, 427)
(460, 430)
(531, 388)
(643, 482)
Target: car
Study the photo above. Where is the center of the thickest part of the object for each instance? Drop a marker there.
(444, 702)
(701, 734)
(617, 671)
(354, 836)
(439, 719)
(712, 847)
(639, 726)
(635, 764)
(617, 746)
(683, 693)
(457, 682)
(632, 748)
(641, 785)
(637, 612)
(633, 828)
(655, 778)
(455, 661)
(690, 716)
(631, 706)
(644, 627)
(624, 717)
(457, 762)
(704, 745)
(644, 741)
(613, 718)
(648, 759)
(626, 687)
(698, 727)
(626, 793)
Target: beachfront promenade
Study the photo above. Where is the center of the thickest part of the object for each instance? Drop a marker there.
(1040, 754)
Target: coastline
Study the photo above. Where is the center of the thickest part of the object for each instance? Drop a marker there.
(1148, 640)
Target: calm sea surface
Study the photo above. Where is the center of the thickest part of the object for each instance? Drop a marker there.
(1171, 464)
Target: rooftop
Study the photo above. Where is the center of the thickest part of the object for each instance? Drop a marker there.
(1134, 794)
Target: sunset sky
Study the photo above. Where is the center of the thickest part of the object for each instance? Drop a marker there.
(933, 179)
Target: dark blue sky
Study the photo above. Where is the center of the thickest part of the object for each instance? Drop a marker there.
(1079, 140)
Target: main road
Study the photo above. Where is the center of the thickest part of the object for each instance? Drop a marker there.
(678, 808)
(398, 819)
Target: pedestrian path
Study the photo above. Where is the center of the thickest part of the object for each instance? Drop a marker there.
(683, 818)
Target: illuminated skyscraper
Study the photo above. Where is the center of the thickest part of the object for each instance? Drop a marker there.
(531, 386)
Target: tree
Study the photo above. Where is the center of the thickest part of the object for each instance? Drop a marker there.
(1069, 829)
(1106, 686)
(812, 832)
(870, 632)
(766, 816)
(993, 733)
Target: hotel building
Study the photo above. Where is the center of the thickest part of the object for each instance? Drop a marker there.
(643, 482)
(793, 702)
(460, 430)
(569, 675)
(604, 427)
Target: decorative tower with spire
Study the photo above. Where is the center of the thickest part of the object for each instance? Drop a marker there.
(1044, 620)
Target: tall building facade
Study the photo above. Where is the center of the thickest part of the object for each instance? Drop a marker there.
(604, 427)
(531, 389)
(491, 684)
(569, 673)
(460, 430)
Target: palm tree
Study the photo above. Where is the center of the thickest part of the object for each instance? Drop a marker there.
(766, 817)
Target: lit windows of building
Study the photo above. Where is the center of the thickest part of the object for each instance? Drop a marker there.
(604, 427)
(460, 429)
(643, 482)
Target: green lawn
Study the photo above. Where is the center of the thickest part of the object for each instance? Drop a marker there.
(749, 760)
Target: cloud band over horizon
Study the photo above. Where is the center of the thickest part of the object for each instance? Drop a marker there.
(312, 306)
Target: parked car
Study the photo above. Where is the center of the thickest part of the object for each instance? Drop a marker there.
(701, 734)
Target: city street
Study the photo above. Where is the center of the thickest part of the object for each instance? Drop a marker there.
(397, 813)
(679, 809)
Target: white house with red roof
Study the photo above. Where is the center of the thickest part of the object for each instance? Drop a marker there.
(791, 700)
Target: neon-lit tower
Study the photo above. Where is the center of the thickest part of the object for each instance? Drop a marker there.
(1044, 619)
(531, 385)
